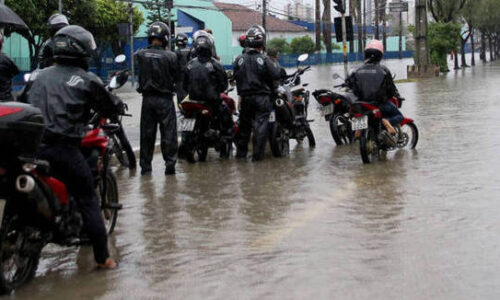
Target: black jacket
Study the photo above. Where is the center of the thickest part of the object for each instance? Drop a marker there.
(66, 95)
(372, 82)
(47, 54)
(205, 79)
(255, 74)
(158, 70)
(8, 70)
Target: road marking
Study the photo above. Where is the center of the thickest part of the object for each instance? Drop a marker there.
(272, 238)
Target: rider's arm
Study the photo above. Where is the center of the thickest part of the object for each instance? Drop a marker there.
(221, 75)
(101, 100)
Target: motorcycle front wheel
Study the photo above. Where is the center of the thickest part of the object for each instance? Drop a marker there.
(279, 140)
(18, 256)
(123, 150)
(192, 150)
(310, 137)
(368, 146)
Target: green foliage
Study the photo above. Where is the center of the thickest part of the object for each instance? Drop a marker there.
(108, 14)
(280, 44)
(303, 44)
(157, 11)
(98, 16)
(443, 38)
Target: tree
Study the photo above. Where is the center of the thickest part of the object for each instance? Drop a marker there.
(303, 44)
(327, 25)
(445, 10)
(108, 14)
(36, 13)
(489, 25)
(279, 44)
(443, 38)
(157, 11)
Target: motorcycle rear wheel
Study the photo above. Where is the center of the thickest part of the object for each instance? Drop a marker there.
(409, 136)
(18, 264)
(368, 146)
(342, 135)
(108, 199)
(279, 140)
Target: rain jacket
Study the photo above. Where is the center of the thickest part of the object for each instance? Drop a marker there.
(158, 70)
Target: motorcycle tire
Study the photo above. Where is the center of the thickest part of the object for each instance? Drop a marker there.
(279, 140)
(226, 149)
(410, 136)
(310, 137)
(123, 150)
(341, 135)
(194, 153)
(13, 235)
(368, 146)
(109, 197)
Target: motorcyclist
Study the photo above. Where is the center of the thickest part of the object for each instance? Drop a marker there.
(256, 75)
(55, 23)
(243, 42)
(183, 56)
(373, 83)
(158, 69)
(8, 70)
(210, 36)
(205, 79)
(65, 93)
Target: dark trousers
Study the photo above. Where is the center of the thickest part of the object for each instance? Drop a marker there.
(68, 165)
(158, 111)
(391, 113)
(254, 116)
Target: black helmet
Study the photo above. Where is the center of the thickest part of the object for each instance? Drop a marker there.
(159, 30)
(256, 37)
(203, 46)
(181, 40)
(57, 22)
(74, 44)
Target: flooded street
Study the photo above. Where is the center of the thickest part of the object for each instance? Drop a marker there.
(319, 224)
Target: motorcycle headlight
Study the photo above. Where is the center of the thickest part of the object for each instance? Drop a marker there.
(28, 168)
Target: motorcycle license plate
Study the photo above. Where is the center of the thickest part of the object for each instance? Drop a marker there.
(359, 123)
(2, 209)
(327, 110)
(187, 124)
(272, 117)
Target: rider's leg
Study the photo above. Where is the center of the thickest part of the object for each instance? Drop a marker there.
(69, 166)
(391, 116)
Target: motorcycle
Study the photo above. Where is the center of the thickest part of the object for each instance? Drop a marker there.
(288, 119)
(335, 108)
(373, 138)
(121, 145)
(35, 208)
(201, 129)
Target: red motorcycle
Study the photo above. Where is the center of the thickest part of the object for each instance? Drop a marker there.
(35, 208)
(202, 130)
(373, 137)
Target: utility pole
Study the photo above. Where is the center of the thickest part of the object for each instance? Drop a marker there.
(344, 40)
(400, 35)
(264, 13)
(317, 26)
(364, 23)
(60, 6)
(422, 47)
(131, 29)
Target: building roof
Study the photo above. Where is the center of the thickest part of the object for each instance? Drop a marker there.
(243, 18)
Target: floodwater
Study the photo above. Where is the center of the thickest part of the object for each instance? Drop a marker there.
(319, 224)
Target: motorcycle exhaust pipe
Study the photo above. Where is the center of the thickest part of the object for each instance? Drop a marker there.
(25, 184)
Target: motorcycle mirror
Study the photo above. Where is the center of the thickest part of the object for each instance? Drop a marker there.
(113, 84)
(27, 77)
(393, 76)
(120, 58)
(336, 76)
(303, 58)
